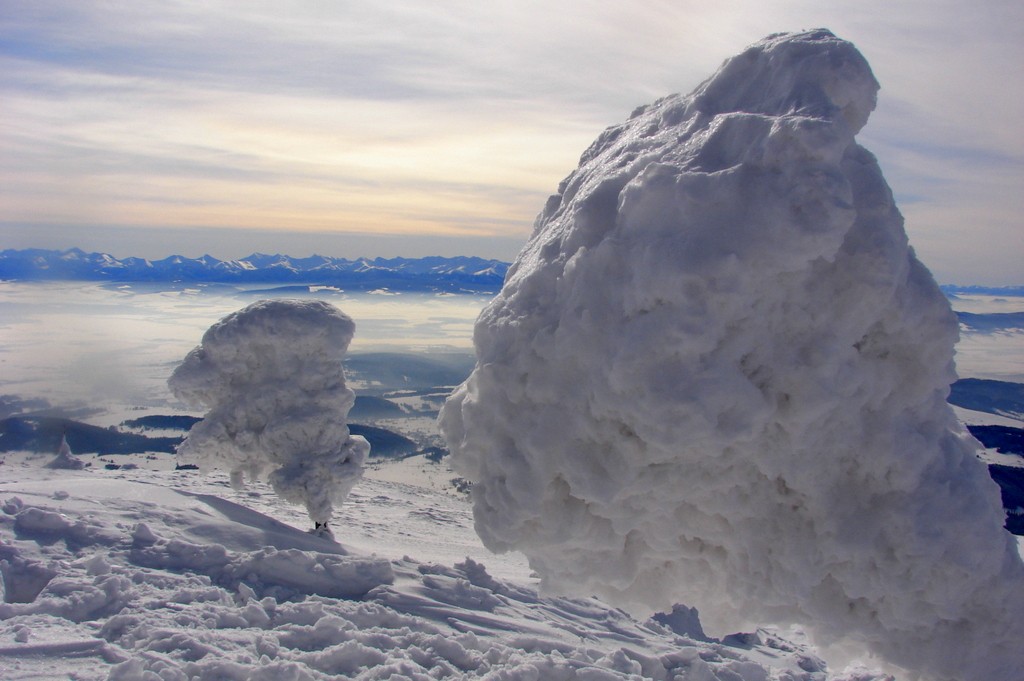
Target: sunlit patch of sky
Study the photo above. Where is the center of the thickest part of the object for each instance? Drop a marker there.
(207, 126)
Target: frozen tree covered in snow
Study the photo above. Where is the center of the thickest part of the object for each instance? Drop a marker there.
(717, 374)
(271, 376)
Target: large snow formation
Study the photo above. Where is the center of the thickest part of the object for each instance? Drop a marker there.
(717, 373)
(271, 375)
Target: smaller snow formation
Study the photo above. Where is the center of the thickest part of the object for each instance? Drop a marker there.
(271, 376)
(65, 459)
(716, 375)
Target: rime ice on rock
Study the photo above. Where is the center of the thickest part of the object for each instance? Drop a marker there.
(271, 375)
(717, 374)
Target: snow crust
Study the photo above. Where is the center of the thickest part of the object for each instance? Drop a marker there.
(158, 575)
(271, 376)
(716, 375)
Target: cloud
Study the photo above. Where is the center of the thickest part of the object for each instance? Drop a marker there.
(405, 117)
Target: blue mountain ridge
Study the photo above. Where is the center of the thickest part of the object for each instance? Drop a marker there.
(952, 291)
(463, 274)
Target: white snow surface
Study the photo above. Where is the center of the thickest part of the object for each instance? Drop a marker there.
(160, 575)
(271, 376)
(716, 375)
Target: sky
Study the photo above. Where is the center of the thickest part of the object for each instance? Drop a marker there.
(414, 127)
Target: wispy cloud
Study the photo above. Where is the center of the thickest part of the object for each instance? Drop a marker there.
(458, 117)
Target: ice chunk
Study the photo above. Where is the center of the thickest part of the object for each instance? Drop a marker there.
(716, 375)
(23, 579)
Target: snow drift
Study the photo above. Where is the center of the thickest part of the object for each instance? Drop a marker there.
(146, 575)
(717, 373)
(271, 375)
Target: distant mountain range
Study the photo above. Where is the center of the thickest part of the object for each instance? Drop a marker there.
(465, 274)
(953, 291)
(438, 274)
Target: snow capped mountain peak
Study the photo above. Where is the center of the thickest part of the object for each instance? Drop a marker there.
(454, 275)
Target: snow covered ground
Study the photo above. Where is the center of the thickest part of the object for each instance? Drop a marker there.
(123, 573)
(89, 594)
(150, 573)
